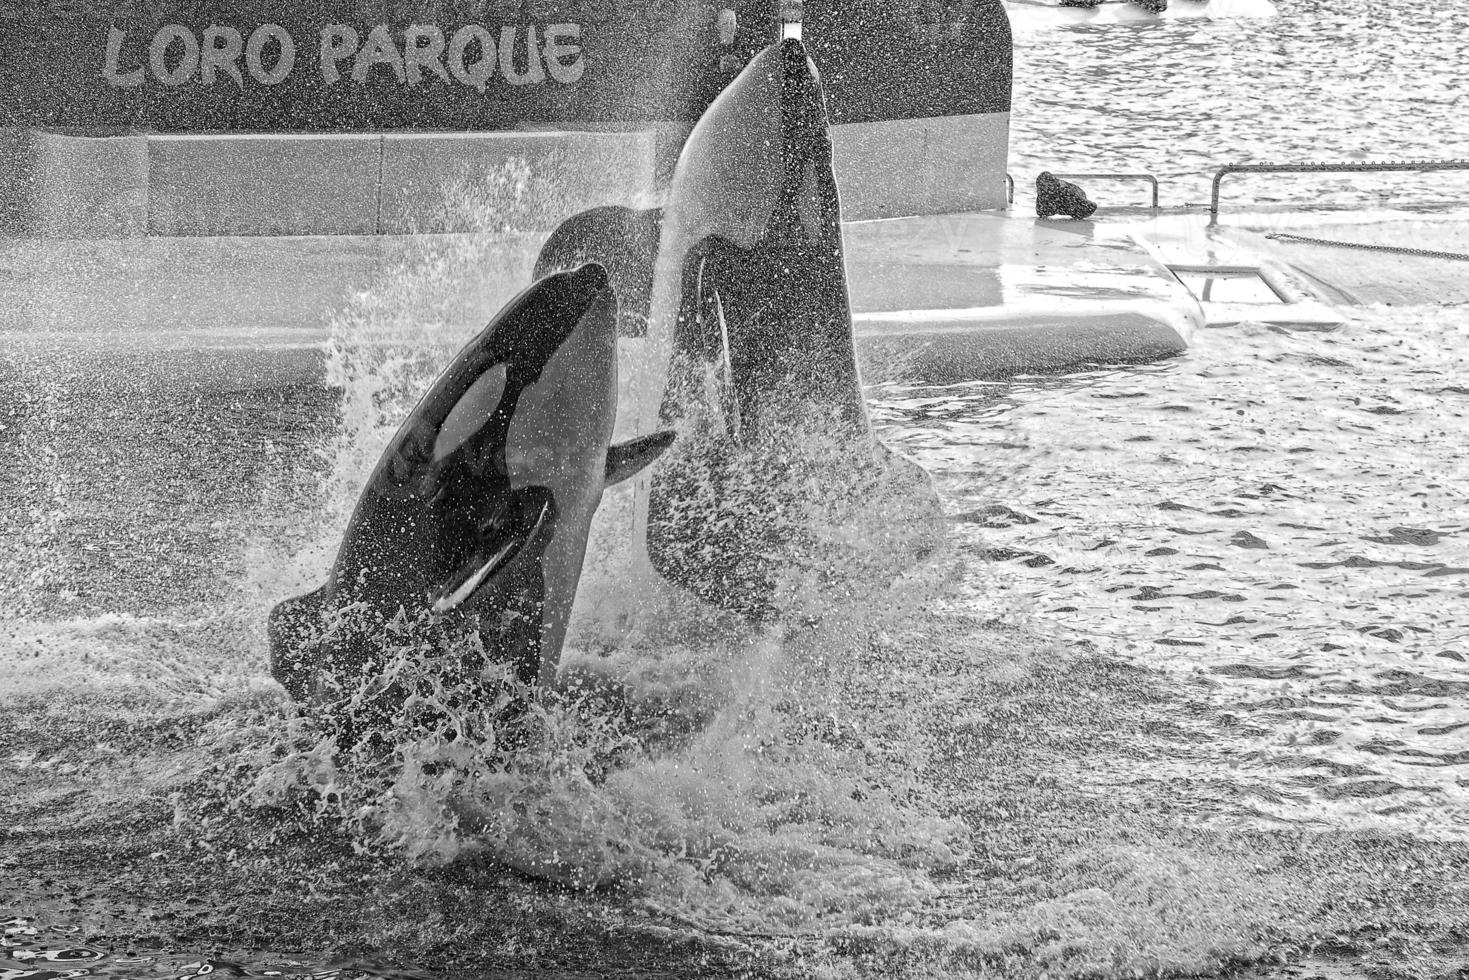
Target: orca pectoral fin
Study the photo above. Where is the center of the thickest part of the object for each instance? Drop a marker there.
(526, 518)
(293, 628)
(627, 459)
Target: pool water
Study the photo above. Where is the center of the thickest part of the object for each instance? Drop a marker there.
(41, 951)
(1279, 515)
(1325, 81)
(1279, 518)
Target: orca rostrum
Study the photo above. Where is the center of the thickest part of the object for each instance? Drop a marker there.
(476, 517)
(748, 350)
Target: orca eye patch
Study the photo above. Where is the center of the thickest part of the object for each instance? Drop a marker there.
(471, 412)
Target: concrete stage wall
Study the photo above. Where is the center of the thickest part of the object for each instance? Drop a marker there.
(899, 168)
(61, 186)
(263, 185)
(54, 186)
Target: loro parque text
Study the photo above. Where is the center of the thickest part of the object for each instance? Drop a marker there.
(472, 55)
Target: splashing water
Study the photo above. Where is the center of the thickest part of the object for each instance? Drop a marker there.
(697, 763)
(849, 780)
(900, 779)
(390, 342)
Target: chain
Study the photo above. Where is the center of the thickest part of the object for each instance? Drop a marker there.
(1395, 249)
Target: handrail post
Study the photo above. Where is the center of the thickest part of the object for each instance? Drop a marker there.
(1148, 177)
(1214, 197)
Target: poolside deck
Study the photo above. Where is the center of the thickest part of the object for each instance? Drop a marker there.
(947, 297)
(990, 294)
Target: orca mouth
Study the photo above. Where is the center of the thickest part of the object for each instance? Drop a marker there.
(461, 595)
(520, 527)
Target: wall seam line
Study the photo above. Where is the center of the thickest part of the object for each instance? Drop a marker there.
(382, 141)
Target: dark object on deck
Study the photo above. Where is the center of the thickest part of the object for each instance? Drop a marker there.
(1152, 6)
(1056, 196)
(1081, 3)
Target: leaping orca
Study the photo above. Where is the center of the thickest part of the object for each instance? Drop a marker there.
(477, 514)
(748, 344)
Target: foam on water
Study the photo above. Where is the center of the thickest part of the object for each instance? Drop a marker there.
(700, 763)
(737, 779)
(895, 783)
(830, 780)
(696, 762)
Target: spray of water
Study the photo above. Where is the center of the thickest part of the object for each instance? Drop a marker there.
(780, 779)
(874, 774)
(706, 766)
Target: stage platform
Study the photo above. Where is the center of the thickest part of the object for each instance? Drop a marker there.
(936, 298)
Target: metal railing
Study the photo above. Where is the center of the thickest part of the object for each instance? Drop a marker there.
(1308, 168)
(1148, 177)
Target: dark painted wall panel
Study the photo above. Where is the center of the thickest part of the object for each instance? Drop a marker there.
(174, 66)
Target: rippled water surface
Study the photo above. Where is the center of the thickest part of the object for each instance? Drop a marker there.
(38, 950)
(1324, 81)
(1284, 514)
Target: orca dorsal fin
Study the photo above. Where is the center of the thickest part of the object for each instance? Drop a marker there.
(628, 459)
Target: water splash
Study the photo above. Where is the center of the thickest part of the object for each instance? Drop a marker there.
(912, 782)
(702, 771)
(698, 763)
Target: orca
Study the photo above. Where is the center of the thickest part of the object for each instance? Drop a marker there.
(477, 514)
(748, 349)
(621, 239)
